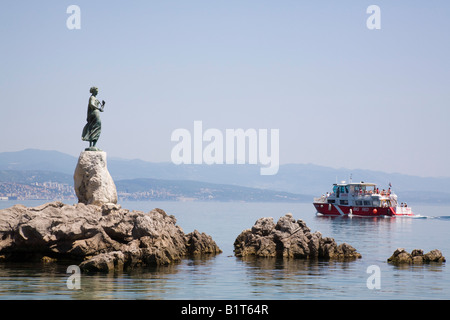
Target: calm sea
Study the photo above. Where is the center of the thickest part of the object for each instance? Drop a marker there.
(227, 277)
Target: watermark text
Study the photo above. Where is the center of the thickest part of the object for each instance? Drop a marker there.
(374, 280)
(236, 146)
(73, 22)
(373, 22)
(74, 280)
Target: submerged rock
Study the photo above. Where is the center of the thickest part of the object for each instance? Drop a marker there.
(401, 256)
(289, 238)
(101, 238)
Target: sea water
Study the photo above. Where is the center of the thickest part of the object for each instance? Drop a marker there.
(227, 277)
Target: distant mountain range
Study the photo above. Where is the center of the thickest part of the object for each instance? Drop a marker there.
(197, 190)
(32, 176)
(299, 181)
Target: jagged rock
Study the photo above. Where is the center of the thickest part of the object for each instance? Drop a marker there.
(114, 260)
(200, 243)
(100, 238)
(401, 256)
(434, 256)
(46, 259)
(92, 181)
(289, 238)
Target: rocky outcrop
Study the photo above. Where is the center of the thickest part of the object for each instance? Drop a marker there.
(99, 238)
(401, 256)
(92, 181)
(289, 238)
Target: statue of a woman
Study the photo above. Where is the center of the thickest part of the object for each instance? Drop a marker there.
(93, 127)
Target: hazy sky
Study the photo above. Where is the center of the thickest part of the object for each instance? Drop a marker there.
(340, 94)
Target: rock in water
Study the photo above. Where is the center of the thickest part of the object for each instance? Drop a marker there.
(92, 181)
(289, 238)
(401, 256)
(99, 238)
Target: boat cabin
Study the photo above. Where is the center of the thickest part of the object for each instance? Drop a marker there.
(360, 198)
(360, 194)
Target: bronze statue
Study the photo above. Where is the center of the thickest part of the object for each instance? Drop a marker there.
(93, 127)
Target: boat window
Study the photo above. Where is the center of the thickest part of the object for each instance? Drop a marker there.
(345, 202)
(367, 203)
(358, 202)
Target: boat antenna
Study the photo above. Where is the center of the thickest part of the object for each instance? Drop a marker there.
(350, 178)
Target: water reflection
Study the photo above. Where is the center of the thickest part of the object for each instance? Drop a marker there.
(23, 281)
(298, 278)
(227, 277)
(293, 266)
(146, 283)
(49, 280)
(373, 236)
(424, 267)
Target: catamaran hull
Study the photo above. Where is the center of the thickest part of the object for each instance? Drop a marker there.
(330, 209)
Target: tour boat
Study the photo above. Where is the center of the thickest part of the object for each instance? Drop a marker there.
(360, 199)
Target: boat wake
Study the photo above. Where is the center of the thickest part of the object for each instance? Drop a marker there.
(418, 216)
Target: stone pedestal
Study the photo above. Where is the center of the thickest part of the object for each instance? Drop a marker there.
(92, 181)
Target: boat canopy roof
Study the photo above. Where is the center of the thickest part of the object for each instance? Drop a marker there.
(362, 183)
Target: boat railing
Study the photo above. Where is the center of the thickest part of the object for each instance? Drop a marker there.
(372, 193)
(403, 210)
(322, 199)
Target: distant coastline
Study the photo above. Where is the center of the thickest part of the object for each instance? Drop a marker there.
(149, 189)
(43, 174)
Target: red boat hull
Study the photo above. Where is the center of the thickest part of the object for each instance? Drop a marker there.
(330, 209)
